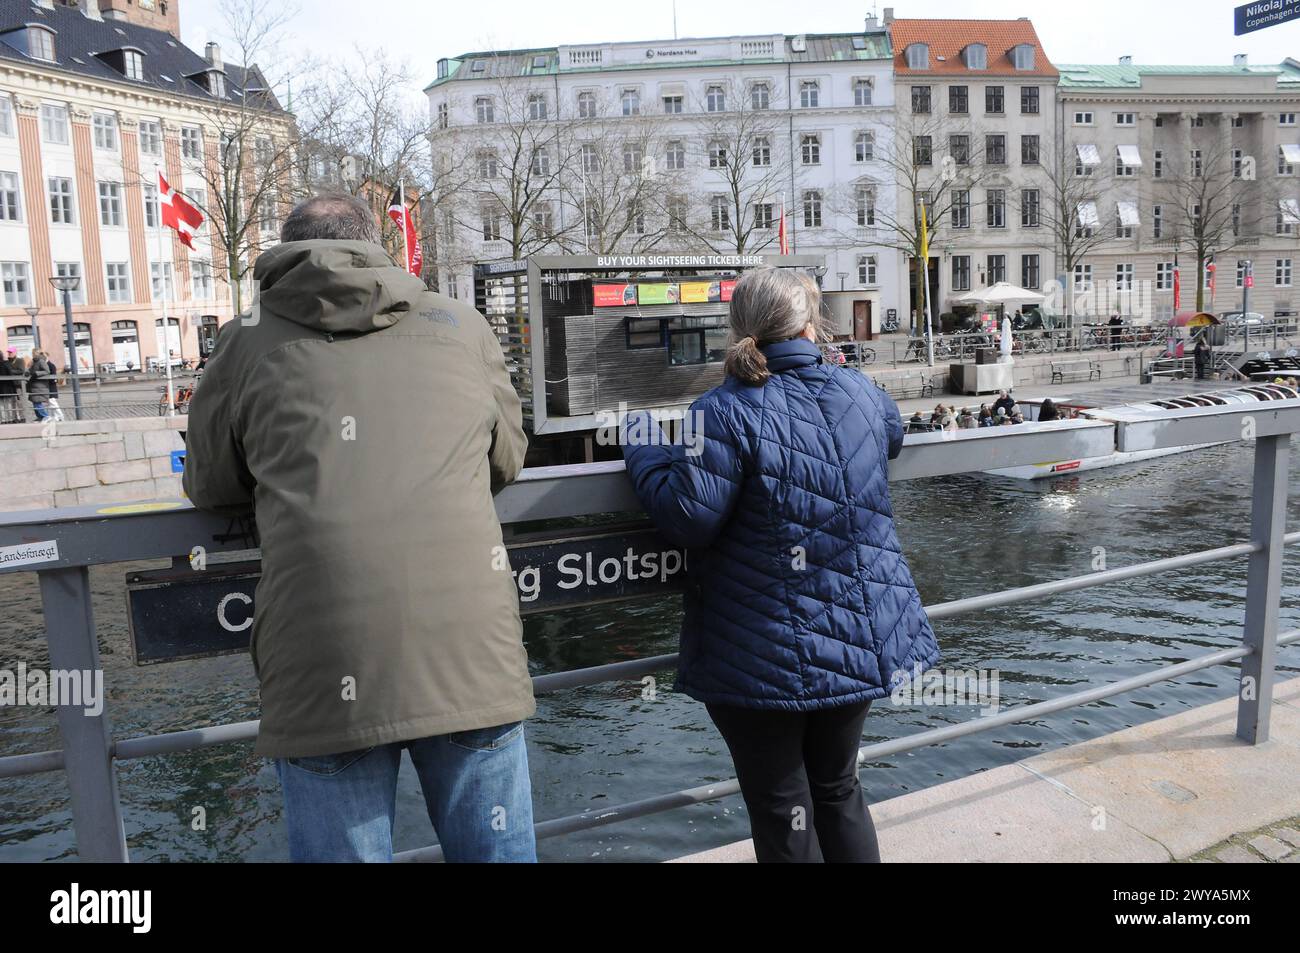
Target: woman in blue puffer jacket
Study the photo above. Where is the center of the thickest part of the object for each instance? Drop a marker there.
(800, 609)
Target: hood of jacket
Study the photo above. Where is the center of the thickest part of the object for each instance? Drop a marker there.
(334, 286)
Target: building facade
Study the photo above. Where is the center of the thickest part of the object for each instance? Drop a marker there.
(693, 144)
(976, 127)
(90, 110)
(1194, 165)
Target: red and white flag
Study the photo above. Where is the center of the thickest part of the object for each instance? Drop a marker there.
(782, 242)
(178, 213)
(1178, 285)
(401, 216)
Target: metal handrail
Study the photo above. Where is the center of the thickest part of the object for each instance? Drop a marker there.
(88, 537)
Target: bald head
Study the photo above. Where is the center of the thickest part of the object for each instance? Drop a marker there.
(331, 216)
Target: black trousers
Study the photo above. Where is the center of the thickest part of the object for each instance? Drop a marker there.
(798, 775)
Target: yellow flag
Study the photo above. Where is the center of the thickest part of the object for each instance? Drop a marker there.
(925, 236)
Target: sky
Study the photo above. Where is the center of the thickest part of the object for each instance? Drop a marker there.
(420, 32)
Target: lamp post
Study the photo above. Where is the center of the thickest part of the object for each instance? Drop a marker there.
(65, 285)
(820, 272)
(842, 275)
(32, 312)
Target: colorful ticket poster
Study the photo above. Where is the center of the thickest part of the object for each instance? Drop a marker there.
(614, 296)
(698, 292)
(727, 288)
(657, 294)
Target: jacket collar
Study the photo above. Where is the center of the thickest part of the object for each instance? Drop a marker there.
(786, 355)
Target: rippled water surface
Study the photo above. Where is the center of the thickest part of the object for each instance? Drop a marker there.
(597, 747)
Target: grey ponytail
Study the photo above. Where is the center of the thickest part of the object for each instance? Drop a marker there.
(768, 305)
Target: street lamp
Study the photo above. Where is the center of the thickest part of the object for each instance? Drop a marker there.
(32, 312)
(65, 285)
(842, 276)
(820, 272)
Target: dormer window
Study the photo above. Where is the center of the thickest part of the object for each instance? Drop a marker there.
(1022, 56)
(217, 83)
(132, 64)
(976, 56)
(40, 43)
(918, 56)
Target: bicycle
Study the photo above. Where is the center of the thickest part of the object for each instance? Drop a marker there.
(181, 398)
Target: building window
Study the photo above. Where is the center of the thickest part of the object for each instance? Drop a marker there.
(630, 101)
(490, 214)
(1282, 273)
(1125, 119)
(1083, 118)
(810, 149)
(633, 157)
(487, 164)
(960, 210)
(1029, 210)
(543, 222)
(1237, 156)
(72, 269)
(590, 218)
(1158, 164)
(862, 92)
(586, 105)
(444, 116)
(217, 83)
(6, 115)
(763, 215)
(715, 100)
(150, 138)
(40, 43)
(10, 206)
(117, 282)
(995, 150)
(191, 142)
(1284, 167)
(920, 99)
(994, 100)
(1157, 221)
(160, 280)
(1082, 278)
(536, 107)
(484, 110)
(762, 151)
(1122, 169)
(132, 64)
(644, 333)
(590, 159)
(675, 156)
(812, 209)
(1029, 150)
(867, 276)
(809, 94)
(54, 124)
(918, 56)
(635, 217)
(1030, 276)
(61, 206)
(717, 154)
(1029, 100)
(17, 290)
(959, 149)
(672, 105)
(541, 162)
(996, 267)
(263, 151)
(200, 279)
(110, 204)
(1022, 57)
(961, 272)
(923, 150)
(760, 96)
(958, 100)
(676, 214)
(1164, 276)
(104, 129)
(1198, 168)
(863, 147)
(977, 56)
(865, 206)
(1286, 119)
(997, 208)
(719, 214)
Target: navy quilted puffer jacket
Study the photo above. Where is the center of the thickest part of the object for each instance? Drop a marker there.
(798, 596)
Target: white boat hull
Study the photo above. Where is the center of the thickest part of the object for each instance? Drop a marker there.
(1041, 471)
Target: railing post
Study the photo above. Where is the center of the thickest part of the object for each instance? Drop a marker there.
(87, 739)
(1263, 587)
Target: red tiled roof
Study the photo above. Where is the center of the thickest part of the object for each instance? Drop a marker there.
(947, 39)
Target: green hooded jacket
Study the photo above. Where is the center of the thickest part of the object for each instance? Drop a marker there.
(367, 423)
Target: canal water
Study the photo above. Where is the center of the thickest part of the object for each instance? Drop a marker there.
(598, 747)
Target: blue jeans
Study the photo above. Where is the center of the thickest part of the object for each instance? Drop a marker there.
(476, 788)
(40, 408)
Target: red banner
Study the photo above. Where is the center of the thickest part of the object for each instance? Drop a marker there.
(614, 296)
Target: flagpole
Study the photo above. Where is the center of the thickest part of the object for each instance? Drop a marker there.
(162, 277)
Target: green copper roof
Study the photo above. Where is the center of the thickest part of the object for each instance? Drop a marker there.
(1130, 77)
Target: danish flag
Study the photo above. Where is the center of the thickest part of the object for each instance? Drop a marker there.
(178, 213)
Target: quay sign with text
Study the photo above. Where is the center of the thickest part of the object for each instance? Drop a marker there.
(1263, 14)
(180, 613)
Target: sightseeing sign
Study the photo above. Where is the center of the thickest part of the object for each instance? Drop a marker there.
(1265, 13)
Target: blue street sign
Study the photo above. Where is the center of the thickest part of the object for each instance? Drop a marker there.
(1265, 13)
(178, 461)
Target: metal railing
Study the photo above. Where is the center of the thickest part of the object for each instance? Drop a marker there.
(86, 537)
(98, 402)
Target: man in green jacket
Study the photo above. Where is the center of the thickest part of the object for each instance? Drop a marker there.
(366, 422)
